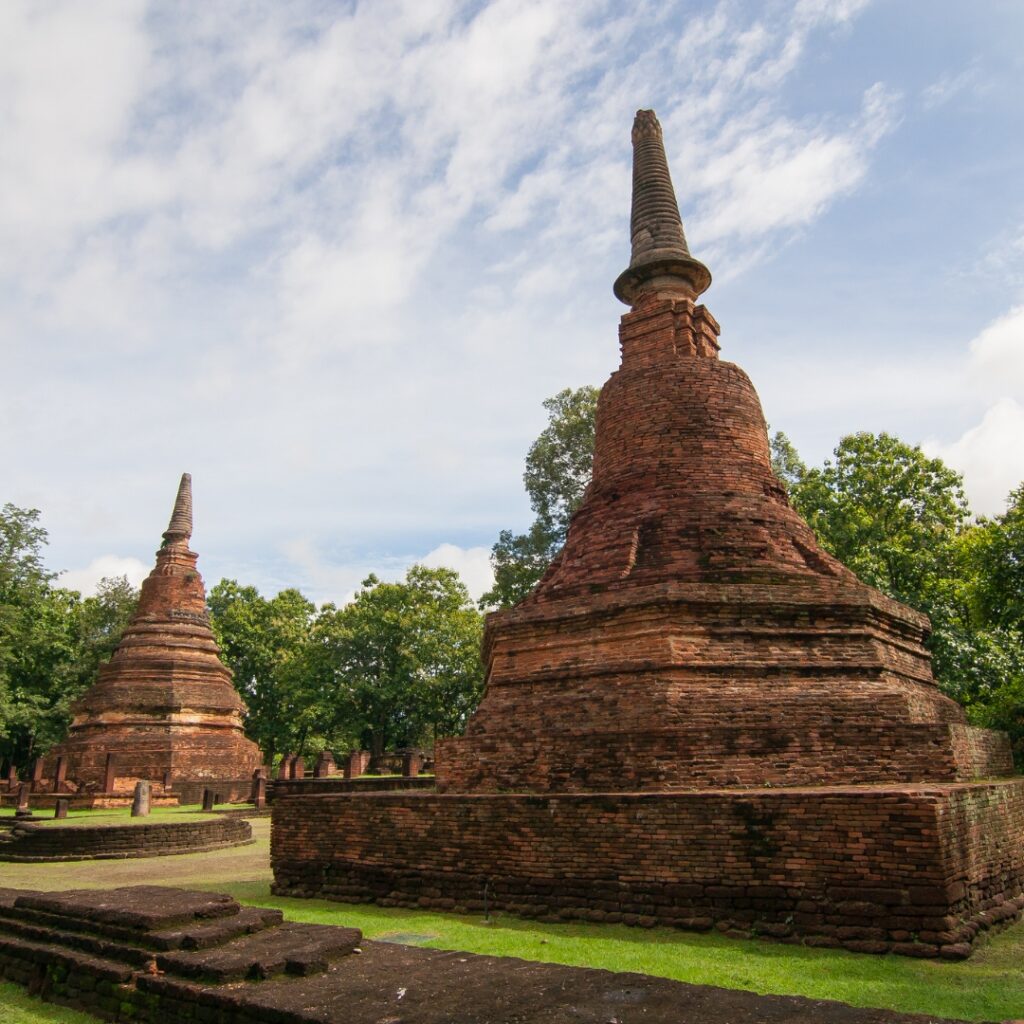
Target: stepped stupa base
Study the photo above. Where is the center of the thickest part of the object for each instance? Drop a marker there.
(915, 870)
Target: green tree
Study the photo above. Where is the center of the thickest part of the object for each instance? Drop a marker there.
(786, 462)
(400, 665)
(888, 512)
(264, 643)
(558, 469)
(38, 641)
(102, 619)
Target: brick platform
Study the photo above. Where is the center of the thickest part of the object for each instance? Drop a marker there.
(914, 870)
(29, 841)
(698, 716)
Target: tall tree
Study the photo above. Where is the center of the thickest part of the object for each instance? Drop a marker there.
(38, 641)
(264, 642)
(558, 469)
(401, 663)
(887, 511)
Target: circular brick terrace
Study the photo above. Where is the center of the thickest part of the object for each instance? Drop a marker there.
(29, 841)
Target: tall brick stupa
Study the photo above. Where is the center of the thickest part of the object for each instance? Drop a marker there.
(698, 717)
(164, 705)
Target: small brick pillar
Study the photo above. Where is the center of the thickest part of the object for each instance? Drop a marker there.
(324, 766)
(282, 768)
(354, 765)
(259, 795)
(36, 776)
(60, 773)
(24, 794)
(60, 808)
(167, 781)
(297, 769)
(259, 773)
(209, 797)
(141, 798)
(109, 774)
(412, 762)
(12, 778)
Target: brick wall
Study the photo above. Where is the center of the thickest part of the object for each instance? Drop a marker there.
(54, 842)
(915, 870)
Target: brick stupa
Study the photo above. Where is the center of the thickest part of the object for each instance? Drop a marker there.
(164, 705)
(698, 717)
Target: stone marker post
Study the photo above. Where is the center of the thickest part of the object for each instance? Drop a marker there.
(60, 773)
(12, 778)
(60, 809)
(141, 798)
(208, 798)
(24, 792)
(259, 796)
(109, 774)
(297, 769)
(412, 762)
(36, 776)
(282, 768)
(167, 780)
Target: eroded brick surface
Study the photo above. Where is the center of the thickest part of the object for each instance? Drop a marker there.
(698, 716)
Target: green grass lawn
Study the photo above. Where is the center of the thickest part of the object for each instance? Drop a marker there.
(989, 986)
(122, 816)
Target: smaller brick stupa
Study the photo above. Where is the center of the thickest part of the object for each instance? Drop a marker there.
(164, 707)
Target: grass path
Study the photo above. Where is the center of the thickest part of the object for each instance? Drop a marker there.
(989, 986)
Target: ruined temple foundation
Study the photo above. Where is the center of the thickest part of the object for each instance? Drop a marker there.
(698, 717)
(164, 708)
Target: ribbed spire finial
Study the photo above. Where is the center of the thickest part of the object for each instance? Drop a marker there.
(180, 527)
(661, 259)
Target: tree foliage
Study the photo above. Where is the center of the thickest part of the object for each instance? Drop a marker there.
(558, 468)
(400, 665)
(265, 644)
(51, 640)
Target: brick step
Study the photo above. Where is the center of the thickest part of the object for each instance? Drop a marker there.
(299, 949)
(104, 938)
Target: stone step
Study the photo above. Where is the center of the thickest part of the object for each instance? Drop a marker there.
(299, 949)
(137, 908)
(198, 935)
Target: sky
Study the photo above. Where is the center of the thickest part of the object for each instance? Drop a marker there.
(330, 257)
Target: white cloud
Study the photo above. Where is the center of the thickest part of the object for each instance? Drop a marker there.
(472, 564)
(997, 355)
(85, 580)
(990, 455)
(953, 84)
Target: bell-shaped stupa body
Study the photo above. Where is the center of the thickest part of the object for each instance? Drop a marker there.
(164, 705)
(692, 632)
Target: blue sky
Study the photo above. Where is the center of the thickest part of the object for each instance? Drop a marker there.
(331, 257)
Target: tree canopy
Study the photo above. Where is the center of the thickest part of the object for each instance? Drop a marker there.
(51, 639)
(401, 663)
(558, 469)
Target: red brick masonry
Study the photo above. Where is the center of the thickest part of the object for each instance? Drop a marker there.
(917, 870)
(698, 716)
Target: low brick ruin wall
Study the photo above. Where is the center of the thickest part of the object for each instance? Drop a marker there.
(32, 842)
(337, 784)
(917, 870)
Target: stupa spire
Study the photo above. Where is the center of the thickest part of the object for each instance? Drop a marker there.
(180, 526)
(661, 260)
